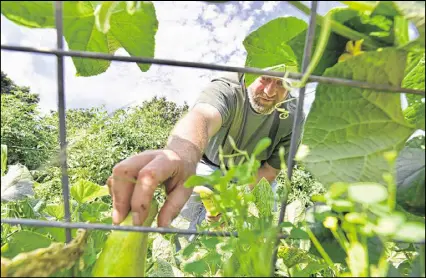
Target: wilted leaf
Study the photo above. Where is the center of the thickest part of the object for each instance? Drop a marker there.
(17, 184)
(295, 212)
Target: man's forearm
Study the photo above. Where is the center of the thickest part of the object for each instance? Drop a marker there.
(189, 137)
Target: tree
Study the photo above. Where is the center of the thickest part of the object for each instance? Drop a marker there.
(9, 87)
(30, 140)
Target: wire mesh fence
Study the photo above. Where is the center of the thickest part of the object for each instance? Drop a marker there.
(60, 53)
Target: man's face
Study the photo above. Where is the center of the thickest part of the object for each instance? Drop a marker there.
(265, 92)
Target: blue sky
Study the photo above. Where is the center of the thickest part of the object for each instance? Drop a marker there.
(190, 31)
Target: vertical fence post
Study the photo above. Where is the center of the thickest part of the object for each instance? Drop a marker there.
(61, 111)
(310, 36)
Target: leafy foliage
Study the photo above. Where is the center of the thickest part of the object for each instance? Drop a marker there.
(127, 132)
(415, 79)
(303, 186)
(29, 140)
(81, 32)
(411, 176)
(346, 143)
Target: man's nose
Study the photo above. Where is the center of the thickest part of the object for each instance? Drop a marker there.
(270, 89)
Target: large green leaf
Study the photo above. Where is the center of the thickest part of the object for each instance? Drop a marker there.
(134, 32)
(268, 45)
(282, 41)
(348, 129)
(415, 79)
(364, 6)
(379, 24)
(335, 47)
(55, 210)
(25, 241)
(410, 173)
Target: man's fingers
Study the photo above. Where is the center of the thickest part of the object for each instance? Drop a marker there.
(173, 205)
(154, 173)
(122, 184)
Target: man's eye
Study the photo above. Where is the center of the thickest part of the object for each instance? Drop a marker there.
(265, 79)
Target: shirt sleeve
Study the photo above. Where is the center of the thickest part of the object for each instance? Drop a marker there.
(221, 96)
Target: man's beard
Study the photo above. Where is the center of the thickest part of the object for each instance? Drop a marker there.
(258, 106)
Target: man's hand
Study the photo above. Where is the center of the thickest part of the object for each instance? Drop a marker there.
(135, 179)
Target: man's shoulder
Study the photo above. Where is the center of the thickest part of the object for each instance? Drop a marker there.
(231, 78)
(226, 86)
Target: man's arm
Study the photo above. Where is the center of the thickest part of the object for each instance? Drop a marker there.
(191, 134)
(171, 166)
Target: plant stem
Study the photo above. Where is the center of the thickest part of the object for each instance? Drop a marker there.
(339, 28)
(320, 248)
(319, 50)
(367, 259)
(401, 25)
(383, 264)
(340, 239)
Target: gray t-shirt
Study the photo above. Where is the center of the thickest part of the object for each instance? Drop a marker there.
(255, 127)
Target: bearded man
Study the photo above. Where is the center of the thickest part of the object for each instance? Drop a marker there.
(227, 107)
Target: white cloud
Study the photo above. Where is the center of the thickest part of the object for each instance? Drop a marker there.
(269, 6)
(190, 31)
(246, 4)
(231, 9)
(211, 12)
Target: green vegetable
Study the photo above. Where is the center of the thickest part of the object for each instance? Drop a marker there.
(124, 254)
(293, 256)
(264, 198)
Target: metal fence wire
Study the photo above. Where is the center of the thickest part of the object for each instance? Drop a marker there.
(60, 53)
